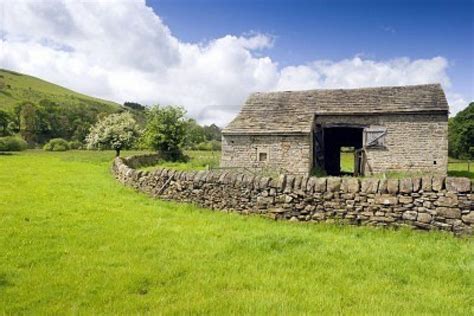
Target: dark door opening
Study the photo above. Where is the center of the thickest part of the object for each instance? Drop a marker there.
(328, 144)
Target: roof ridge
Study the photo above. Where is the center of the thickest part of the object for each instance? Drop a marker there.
(437, 84)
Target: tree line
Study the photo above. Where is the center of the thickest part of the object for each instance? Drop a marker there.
(37, 123)
(164, 128)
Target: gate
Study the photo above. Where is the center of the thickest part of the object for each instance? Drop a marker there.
(359, 162)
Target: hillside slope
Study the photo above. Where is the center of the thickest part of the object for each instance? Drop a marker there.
(17, 87)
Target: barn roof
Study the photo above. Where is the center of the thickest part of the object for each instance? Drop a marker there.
(294, 111)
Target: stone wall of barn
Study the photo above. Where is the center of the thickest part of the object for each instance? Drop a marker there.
(428, 203)
(413, 143)
(290, 153)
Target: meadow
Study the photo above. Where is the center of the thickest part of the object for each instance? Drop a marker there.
(74, 240)
(460, 168)
(197, 160)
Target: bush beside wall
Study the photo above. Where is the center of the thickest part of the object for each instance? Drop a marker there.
(429, 202)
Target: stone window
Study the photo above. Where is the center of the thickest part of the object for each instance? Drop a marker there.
(374, 137)
(262, 155)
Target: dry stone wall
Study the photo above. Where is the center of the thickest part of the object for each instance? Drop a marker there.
(428, 202)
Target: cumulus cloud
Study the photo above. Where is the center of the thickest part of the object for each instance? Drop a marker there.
(121, 50)
(456, 102)
(357, 72)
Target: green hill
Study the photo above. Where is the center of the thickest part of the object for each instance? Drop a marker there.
(38, 110)
(16, 88)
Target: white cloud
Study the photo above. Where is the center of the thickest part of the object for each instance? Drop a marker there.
(121, 50)
(456, 102)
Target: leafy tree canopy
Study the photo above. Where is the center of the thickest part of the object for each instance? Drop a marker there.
(194, 133)
(461, 134)
(166, 131)
(116, 131)
(5, 126)
(212, 132)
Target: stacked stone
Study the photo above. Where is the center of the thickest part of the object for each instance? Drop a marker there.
(429, 202)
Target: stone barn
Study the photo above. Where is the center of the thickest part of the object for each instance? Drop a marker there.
(390, 129)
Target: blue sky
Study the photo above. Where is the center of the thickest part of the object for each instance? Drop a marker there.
(208, 56)
(312, 30)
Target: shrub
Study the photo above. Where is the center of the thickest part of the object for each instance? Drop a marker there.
(56, 144)
(203, 146)
(12, 143)
(216, 145)
(75, 144)
(212, 145)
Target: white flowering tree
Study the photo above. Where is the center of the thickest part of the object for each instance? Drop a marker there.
(116, 131)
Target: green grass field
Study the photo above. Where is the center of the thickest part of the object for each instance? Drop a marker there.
(75, 241)
(460, 168)
(20, 87)
(198, 160)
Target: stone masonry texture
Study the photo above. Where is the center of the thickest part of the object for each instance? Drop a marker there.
(284, 123)
(413, 143)
(290, 154)
(427, 203)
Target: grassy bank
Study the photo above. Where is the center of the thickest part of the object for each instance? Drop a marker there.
(197, 160)
(20, 87)
(73, 240)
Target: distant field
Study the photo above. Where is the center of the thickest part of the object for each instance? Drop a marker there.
(347, 162)
(198, 160)
(75, 241)
(459, 168)
(20, 87)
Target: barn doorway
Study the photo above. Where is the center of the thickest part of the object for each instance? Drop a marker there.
(347, 162)
(333, 145)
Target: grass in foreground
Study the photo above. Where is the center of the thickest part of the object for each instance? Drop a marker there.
(73, 240)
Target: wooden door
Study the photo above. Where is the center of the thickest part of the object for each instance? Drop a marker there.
(359, 162)
(319, 147)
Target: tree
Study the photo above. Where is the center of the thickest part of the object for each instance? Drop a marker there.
(212, 132)
(27, 121)
(461, 134)
(5, 123)
(116, 131)
(194, 133)
(165, 131)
